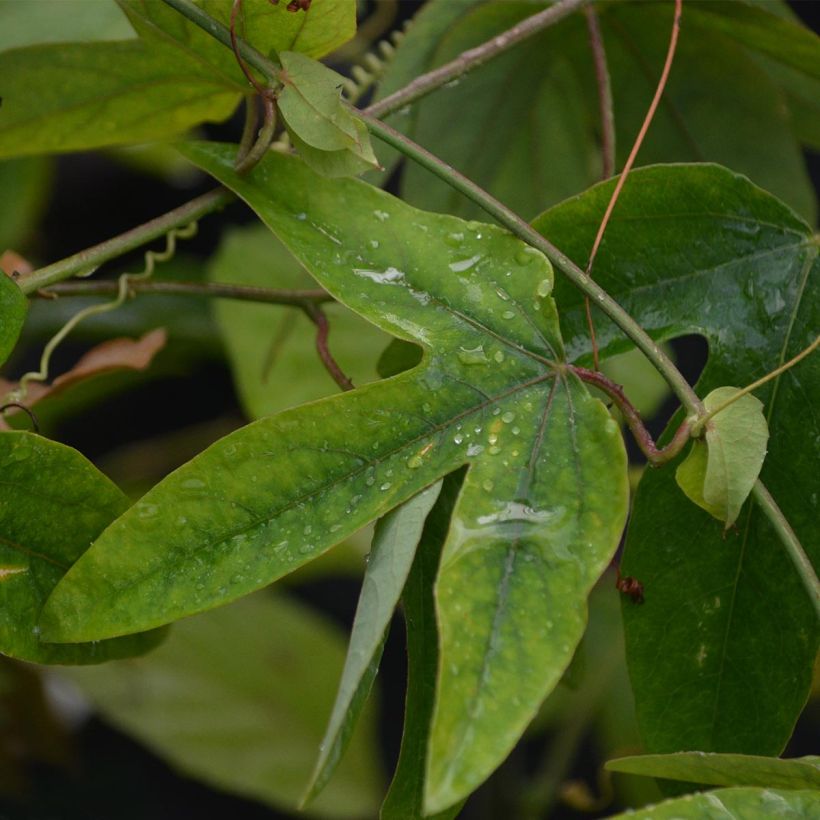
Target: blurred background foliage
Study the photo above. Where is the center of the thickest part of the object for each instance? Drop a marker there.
(226, 717)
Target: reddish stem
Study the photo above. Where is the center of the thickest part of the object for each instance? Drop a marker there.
(322, 332)
(654, 455)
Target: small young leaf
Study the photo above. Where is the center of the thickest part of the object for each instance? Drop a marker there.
(13, 307)
(332, 164)
(45, 482)
(310, 103)
(237, 697)
(394, 545)
(719, 474)
(725, 770)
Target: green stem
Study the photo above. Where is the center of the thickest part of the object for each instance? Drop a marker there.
(85, 262)
(523, 230)
(216, 290)
(698, 426)
(473, 57)
(790, 541)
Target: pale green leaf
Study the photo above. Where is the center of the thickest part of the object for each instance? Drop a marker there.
(44, 482)
(719, 474)
(541, 510)
(237, 698)
(733, 804)
(310, 103)
(725, 769)
(272, 349)
(394, 545)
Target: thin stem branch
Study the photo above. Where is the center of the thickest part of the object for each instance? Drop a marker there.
(85, 262)
(523, 230)
(473, 57)
(322, 332)
(702, 421)
(790, 541)
(216, 290)
(650, 114)
(643, 437)
(264, 139)
(605, 106)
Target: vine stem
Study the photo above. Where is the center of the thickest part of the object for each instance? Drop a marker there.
(604, 84)
(698, 426)
(87, 261)
(474, 57)
(217, 290)
(790, 541)
(322, 331)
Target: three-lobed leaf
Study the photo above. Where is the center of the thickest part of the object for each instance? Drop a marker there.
(725, 769)
(727, 630)
(540, 512)
(44, 482)
(719, 473)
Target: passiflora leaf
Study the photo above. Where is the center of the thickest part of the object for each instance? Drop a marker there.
(697, 249)
(13, 307)
(719, 473)
(237, 698)
(542, 506)
(24, 182)
(45, 482)
(725, 770)
(732, 804)
(394, 545)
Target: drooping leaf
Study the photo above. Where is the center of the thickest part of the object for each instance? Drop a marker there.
(237, 698)
(528, 126)
(732, 804)
(272, 349)
(13, 307)
(719, 473)
(76, 96)
(405, 798)
(310, 102)
(394, 545)
(725, 770)
(727, 630)
(43, 483)
(541, 510)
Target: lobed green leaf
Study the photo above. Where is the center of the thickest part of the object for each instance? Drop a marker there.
(727, 631)
(541, 510)
(13, 308)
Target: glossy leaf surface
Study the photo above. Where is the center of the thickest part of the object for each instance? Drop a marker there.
(528, 127)
(700, 250)
(237, 698)
(13, 307)
(719, 473)
(43, 483)
(733, 804)
(271, 349)
(542, 507)
(725, 770)
(394, 545)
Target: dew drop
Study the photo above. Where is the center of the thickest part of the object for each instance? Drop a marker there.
(414, 462)
(544, 288)
(386, 486)
(381, 215)
(498, 356)
(487, 485)
(508, 314)
(458, 438)
(508, 417)
(475, 355)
